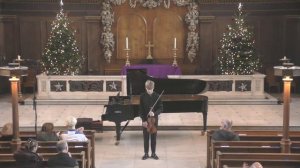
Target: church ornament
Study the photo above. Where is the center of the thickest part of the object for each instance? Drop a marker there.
(191, 18)
(107, 37)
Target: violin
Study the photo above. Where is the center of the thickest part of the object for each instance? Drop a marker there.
(151, 128)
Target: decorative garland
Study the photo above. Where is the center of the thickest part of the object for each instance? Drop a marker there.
(191, 18)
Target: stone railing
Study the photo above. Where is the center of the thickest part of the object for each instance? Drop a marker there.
(234, 86)
(80, 87)
(101, 87)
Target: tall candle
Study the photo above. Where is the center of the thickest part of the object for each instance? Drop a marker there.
(126, 42)
(175, 43)
(19, 57)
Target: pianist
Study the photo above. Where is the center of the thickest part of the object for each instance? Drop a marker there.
(147, 100)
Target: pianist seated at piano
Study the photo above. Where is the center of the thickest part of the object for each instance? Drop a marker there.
(225, 132)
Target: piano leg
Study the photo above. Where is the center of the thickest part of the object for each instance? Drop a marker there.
(118, 130)
(204, 123)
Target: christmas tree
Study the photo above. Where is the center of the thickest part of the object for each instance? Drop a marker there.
(237, 52)
(61, 55)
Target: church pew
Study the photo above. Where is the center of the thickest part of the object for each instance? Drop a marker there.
(253, 135)
(243, 147)
(50, 147)
(90, 134)
(282, 160)
(8, 161)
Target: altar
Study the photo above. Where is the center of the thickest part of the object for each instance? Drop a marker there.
(155, 70)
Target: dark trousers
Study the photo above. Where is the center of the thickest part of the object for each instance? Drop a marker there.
(147, 135)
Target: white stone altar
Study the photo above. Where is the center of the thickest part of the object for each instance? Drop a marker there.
(96, 89)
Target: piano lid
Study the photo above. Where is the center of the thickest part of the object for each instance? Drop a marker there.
(136, 79)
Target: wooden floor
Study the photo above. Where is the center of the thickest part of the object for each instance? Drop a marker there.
(176, 148)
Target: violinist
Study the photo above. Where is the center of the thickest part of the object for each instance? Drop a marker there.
(150, 107)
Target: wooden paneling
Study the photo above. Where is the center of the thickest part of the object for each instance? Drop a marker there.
(159, 26)
(167, 26)
(93, 53)
(292, 38)
(30, 38)
(133, 26)
(276, 27)
(206, 57)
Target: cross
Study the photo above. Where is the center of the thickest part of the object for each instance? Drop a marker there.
(149, 45)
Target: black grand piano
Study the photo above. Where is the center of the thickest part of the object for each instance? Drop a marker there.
(180, 96)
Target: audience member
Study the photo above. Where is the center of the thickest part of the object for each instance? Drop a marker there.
(63, 158)
(225, 133)
(254, 165)
(73, 134)
(7, 132)
(47, 133)
(27, 157)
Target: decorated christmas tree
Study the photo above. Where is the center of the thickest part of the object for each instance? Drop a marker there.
(237, 55)
(61, 55)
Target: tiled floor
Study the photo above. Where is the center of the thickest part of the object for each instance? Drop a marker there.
(176, 148)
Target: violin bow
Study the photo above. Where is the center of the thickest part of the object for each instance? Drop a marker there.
(156, 100)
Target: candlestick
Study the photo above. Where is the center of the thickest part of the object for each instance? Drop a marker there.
(126, 42)
(175, 42)
(175, 57)
(127, 63)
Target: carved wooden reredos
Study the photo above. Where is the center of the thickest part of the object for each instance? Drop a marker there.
(157, 22)
(25, 27)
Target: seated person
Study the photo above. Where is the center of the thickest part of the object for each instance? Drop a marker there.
(73, 134)
(47, 133)
(7, 132)
(225, 133)
(63, 158)
(27, 157)
(254, 165)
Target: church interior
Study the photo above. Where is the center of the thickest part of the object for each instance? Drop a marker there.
(106, 50)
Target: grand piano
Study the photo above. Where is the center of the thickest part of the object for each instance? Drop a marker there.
(180, 96)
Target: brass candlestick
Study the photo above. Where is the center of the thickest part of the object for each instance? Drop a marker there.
(127, 63)
(19, 60)
(175, 57)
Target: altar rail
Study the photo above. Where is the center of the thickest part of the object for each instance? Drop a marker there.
(80, 87)
(87, 88)
(231, 86)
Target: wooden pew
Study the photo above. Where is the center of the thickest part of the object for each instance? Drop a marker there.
(243, 147)
(253, 135)
(8, 161)
(282, 160)
(90, 134)
(50, 147)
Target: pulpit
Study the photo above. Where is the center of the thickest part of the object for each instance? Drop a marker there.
(155, 70)
(14, 73)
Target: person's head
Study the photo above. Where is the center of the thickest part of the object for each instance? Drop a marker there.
(226, 124)
(256, 165)
(62, 146)
(71, 122)
(47, 127)
(149, 85)
(7, 129)
(31, 145)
